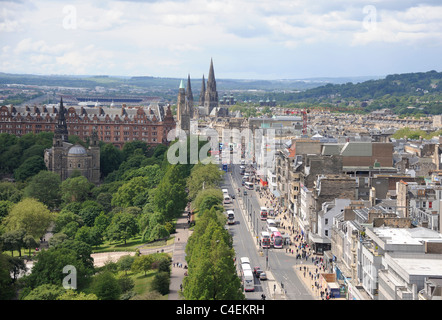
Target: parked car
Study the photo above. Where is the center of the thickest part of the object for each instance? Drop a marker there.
(257, 271)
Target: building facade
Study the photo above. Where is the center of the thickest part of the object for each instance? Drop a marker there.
(65, 158)
(113, 124)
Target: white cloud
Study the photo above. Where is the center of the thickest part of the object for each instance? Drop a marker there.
(166, 38)
(417, 25)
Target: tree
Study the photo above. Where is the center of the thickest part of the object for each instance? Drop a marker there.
(50, 265)
(142, 264)
(73, 295)
(45, 187)
(89, 211)
(128, 192)
(29, 168)
(10, 192)
(105, 286)
(64, 217)
(30, 243)
(105, 200)
(206, 198)
(76, 189)
(125, 263)
(13, 240)
(89, 235)
(209, 253)
(7, 289)
(30, 215)
(161, 282)
(110, 158)
(5, 206)
(159, 231)
(45, 292)
(170, 196)
(203, 175)
(101, 223)
(122, 227)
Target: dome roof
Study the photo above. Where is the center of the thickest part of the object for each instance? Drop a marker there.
(77, 149)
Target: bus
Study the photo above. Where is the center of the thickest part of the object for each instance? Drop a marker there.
(244, 260)
(248, 280)
(245, 266)
(227, 199)
(230, 217)
(265, 240)
(271, 223)
(249, 185)
(277, 240)
(263, 213)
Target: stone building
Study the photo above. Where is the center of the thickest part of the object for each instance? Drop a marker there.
(211, 94)
(113, 124)
(66, 158)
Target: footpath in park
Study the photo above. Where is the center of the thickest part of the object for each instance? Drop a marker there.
(179, 257)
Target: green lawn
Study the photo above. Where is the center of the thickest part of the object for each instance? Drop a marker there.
(131, 245)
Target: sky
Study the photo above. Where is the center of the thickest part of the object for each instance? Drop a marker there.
(247, 39)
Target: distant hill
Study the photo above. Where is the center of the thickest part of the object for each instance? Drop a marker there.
(417, 94)
(415, 84)
(164, 83)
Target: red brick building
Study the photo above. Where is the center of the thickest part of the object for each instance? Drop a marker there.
(113, 125)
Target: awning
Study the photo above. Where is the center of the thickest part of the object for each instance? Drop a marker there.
(318, 239)
(276, 193)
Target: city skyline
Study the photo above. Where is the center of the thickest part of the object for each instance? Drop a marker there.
(246, 39)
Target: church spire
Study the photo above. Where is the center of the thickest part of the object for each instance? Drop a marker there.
(203, 92)
(211, 95)
(189, 89)
(61, 129)
(189, 98)
(211, 79)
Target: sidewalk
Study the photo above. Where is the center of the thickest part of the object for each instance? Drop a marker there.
(298, 245)
(179, 257)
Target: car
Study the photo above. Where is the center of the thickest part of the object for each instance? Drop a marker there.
(243, 183)
(257, 271)
(262, 276)
(245, 192)
(232, 196)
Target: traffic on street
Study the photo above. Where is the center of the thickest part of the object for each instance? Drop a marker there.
(256, 237)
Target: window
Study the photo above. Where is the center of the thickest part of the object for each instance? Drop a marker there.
(326, 221)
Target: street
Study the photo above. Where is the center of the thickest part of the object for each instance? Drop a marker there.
(283, 282)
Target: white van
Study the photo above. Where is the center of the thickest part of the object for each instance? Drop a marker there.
(271, 223)
(230, 217)
(227, 199)
(249, 185)
(249, 284)
(225, 191)
(244, 260)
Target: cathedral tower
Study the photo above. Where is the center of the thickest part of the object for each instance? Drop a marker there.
(189, 98)
(211, 95)
(203, 93)
(183, 111)
(181, 103)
